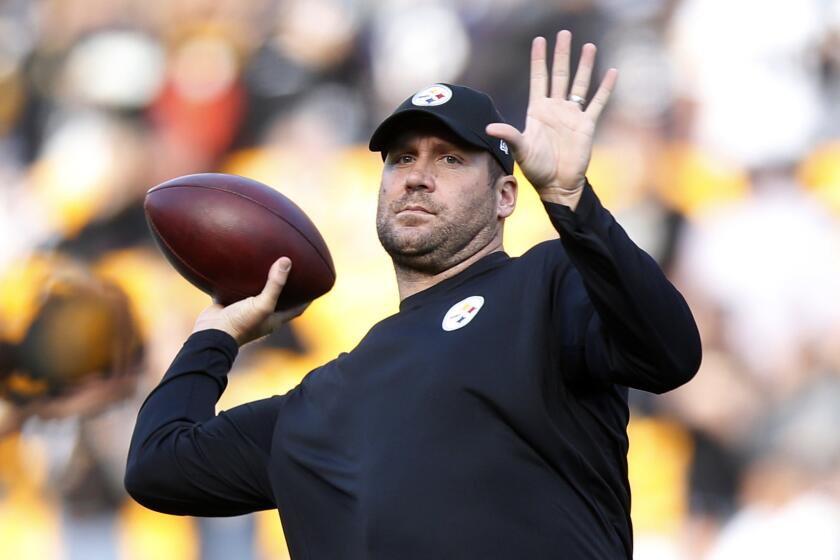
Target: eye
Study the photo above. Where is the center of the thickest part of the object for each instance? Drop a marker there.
(399, 159)
(452, 160)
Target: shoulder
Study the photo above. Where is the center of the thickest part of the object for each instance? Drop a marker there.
(549, 257)
(551, 248)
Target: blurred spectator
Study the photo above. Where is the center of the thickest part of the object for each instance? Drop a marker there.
(790, 501)
(67, 380)
(760, 100)
(769, 262)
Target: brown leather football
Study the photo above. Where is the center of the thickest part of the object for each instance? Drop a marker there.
(223, 232)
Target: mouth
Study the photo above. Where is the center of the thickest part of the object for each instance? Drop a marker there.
(415, 208)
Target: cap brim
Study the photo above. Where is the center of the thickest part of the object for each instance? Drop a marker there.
(389, 127)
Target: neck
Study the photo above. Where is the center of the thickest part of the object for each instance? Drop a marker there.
(411, 281)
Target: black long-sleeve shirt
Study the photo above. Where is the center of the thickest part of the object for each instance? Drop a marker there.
(486, 419)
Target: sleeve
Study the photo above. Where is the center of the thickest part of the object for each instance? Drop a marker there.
(186, 460)
(618, 317)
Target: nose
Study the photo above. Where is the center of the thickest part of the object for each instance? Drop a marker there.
(420, 178)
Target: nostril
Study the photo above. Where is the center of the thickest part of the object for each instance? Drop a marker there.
(418, 183)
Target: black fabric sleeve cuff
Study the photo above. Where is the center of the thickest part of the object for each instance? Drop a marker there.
(215, 338)
(568, 221)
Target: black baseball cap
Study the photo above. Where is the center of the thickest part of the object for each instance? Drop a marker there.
(465, 111)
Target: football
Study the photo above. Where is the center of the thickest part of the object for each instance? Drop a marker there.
(223, 232)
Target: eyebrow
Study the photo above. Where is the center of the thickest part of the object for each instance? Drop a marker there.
(403, 143)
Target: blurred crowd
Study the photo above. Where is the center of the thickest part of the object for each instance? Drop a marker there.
(719, 153)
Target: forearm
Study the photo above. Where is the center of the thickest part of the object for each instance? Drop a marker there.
(188, 392)
(164, 441)
(650, 337)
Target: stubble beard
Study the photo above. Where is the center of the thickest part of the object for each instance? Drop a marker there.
(455, 236)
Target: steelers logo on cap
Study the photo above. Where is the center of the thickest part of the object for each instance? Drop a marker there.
(437, 94)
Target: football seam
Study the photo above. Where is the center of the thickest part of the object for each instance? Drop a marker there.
(258, 203)
(182, 261)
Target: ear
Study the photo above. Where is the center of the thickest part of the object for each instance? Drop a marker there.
(506, 199)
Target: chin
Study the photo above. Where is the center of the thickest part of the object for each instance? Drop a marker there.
(407, 243)
(410, 245)
(426, 263)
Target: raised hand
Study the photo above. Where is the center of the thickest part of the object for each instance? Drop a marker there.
(253, 317)
(555, 148)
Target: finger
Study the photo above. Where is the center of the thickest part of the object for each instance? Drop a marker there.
(539, 71)
(603, 94)
(277, 276)
(560, 66)
(580, 87)
(509, 134)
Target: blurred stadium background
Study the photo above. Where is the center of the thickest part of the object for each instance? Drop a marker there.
(720, 154)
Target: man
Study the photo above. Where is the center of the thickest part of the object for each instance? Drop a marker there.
(486, 419)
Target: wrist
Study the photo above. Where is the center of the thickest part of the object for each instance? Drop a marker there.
(214, 338)
(569, 197)
(200, 341)
(217, 326)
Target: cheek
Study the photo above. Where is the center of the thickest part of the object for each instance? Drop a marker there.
(475, 199)
(383, 193)
(388, 185)
(387, 196)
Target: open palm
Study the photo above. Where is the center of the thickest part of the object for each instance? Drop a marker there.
(555, 148)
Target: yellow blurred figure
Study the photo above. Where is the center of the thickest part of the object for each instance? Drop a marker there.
(21, 291)
(77, 327)
(692, 181)
(148, 535)
(29, 525)
(658, 461)
(156, 291)
(820, 173)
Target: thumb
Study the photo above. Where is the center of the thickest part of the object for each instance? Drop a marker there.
(278, 274)
(506, 132)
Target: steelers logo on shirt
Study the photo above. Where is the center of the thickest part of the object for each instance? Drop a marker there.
(460, 314)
